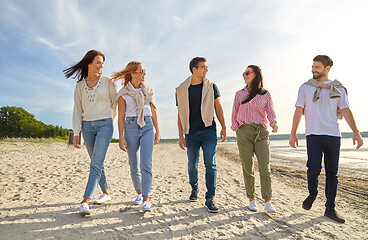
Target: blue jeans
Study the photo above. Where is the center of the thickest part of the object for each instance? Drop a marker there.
(329, 146)
(206, 139)
(97, 137)
(143, 138)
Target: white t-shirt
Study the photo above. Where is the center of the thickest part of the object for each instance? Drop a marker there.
(131, 106)
(321, 116)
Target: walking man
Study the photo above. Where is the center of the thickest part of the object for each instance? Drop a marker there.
(197, 98)
(323, 101)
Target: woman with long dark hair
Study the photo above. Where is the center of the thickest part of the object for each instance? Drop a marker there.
(252, 107)
(137, 120)
(94, 110)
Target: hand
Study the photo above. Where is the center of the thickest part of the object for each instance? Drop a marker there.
(357, 138)
(274, 127)
(123, 144)
(157, 137)
(223, 134)
(293, 141)
(76, 142)
(182, 142)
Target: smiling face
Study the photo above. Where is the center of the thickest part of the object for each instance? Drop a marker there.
(139, 74)
(319, 71)
(248, 75)
(201, 70)
(96, 66)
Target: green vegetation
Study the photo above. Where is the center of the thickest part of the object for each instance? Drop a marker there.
(15, 122)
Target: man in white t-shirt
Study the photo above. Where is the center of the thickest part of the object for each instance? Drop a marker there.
(321, 101)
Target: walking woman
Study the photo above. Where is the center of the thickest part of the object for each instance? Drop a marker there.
(252, 105)
(94, 101)
(137, 118)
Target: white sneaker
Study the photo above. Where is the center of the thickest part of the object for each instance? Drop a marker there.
(104, 197)
(84, 209)
(138, 199)
(146, 207)
(253, 206)
(269, 207)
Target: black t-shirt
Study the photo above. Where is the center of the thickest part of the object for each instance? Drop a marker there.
(195, 100)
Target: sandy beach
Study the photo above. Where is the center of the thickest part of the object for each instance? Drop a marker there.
(42, 185)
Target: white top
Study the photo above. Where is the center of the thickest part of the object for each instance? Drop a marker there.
(321, 116)
(95, 103)
(131, 106)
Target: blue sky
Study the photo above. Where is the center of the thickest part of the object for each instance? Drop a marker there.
(39, 38)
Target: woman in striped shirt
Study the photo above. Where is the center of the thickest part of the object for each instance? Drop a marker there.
(252, 107)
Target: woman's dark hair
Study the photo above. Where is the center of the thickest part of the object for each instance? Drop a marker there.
(256, 86)
(80, 70)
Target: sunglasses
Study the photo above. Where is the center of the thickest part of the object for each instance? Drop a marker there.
(143, 71)
(247, 73)
(204, 67)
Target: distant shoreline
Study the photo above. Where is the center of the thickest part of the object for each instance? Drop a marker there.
(275, 137)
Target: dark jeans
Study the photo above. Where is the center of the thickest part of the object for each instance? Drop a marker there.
(329, 147)
(206, 139)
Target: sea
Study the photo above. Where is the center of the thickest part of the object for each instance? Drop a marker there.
(350, 157)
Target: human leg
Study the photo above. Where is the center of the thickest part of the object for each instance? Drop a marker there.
(132, 138)
(314, 165)
(262, 151)
(209, 143)
(103, 130)
(331, 161)
(244, 138)
(193, 145)
(146, 150)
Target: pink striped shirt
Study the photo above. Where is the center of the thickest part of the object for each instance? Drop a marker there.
(254, 111)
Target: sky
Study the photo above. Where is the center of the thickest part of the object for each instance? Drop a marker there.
(40, 38)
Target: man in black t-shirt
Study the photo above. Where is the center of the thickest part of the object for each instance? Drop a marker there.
(197, 99)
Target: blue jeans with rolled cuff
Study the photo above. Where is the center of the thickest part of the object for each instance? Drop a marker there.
(97, 137)
(143, 139)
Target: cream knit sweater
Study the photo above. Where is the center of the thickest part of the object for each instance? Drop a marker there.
(95, 103)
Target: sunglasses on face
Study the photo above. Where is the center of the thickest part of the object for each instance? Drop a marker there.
(247, 73)
(143, 71)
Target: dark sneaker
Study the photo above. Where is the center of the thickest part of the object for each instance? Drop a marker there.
(211, 206)
(334, 216)
(308, 202)
(194, 195)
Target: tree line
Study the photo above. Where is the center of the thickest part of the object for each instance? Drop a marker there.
(16, 122)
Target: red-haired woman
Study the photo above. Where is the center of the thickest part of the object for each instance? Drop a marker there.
(137, 120)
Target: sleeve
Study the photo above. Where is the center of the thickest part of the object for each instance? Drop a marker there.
(77, 112)
(176, 99)
(271, 115)
(216, 91)
(300, 101)
(112, 94)
(343, 101)
(234, 114)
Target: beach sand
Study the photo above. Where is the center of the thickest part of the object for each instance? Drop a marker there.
(42, 185)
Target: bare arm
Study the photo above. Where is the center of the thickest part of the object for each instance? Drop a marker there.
(121, 122)
(155, 123)
(349, 118)
(293, 141)
(220, 116)
(181, 135)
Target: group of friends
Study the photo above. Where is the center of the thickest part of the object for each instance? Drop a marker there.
(97, 102)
